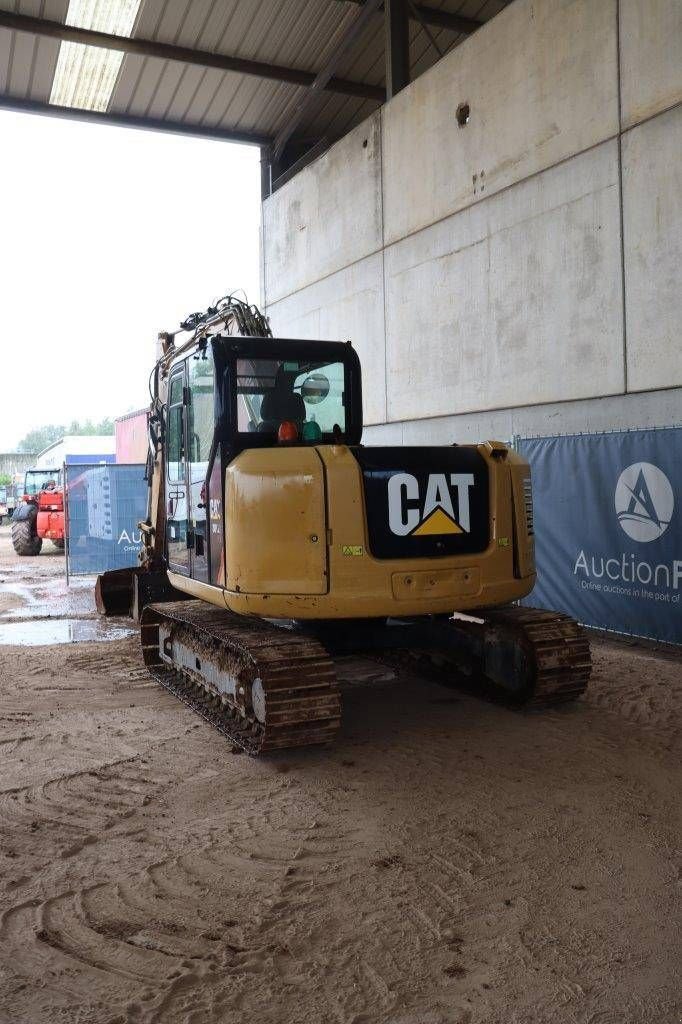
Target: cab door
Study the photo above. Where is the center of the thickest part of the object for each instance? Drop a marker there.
(200, 430)
(176, 474)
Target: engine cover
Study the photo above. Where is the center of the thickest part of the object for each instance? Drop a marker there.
(425, 502)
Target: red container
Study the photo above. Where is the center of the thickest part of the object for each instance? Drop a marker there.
(131, 437)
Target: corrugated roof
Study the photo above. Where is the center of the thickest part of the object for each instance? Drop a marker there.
(27, 62)
(300, 34)
(132, 415)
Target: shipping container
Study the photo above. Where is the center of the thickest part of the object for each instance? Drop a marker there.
(131, 437)
(78, 450)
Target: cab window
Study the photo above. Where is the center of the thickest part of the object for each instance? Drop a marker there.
(36, 481)
(201, 414)
(310, 394)
(322, 391)
(176, 441)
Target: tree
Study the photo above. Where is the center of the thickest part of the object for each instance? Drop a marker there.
(5, 479)
(38, 439)
(105, 427)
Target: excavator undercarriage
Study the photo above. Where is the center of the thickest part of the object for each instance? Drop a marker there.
(267, 686)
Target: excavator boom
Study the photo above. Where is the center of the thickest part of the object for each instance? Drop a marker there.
(127, 591)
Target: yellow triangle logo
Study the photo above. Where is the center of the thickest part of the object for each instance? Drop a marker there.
(438, 522)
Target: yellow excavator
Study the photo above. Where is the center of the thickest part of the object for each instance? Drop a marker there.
(275, 542)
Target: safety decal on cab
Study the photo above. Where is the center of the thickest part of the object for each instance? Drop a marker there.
(354, 550)
(215, 512)
(439, 507)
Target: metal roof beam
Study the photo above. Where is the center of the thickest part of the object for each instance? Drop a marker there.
(311, 154)
(325, 75)
(439, 19)
(397, 49)
(184, 54)
(131, 121)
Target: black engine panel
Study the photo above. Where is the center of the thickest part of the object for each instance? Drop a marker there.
(425, 502)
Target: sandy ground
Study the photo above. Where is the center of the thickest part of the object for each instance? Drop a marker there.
(447, 861)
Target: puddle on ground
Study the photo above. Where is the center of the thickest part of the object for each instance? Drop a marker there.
(19, 590)
(43, 599)
(41, 632)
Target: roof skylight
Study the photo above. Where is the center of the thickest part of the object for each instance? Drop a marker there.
(85, 76)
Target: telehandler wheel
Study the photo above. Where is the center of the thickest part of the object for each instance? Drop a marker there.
(25, 539)
(59, 544)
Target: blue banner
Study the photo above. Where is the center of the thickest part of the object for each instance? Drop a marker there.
(608, 529)
(104, 504)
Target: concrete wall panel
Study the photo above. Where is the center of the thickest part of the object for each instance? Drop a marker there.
(347, 305)
(515, 301)
(616, 412)
(490, 299)
(652, 230)
(650, 57)
(327, 216)
(541, 82)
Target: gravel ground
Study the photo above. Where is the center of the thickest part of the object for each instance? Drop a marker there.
(446, 862)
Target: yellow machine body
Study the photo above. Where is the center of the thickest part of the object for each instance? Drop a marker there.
(297, 542)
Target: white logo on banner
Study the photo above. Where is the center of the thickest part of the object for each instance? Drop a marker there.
(644, 501)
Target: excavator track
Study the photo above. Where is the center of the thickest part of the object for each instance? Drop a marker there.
(262, 687)
(528, 657)
(267, 688)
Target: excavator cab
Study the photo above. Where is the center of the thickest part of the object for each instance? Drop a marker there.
(230, 394)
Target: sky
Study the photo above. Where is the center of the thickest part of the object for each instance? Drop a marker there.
(108, 236)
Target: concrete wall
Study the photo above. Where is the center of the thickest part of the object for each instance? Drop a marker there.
(508, 275)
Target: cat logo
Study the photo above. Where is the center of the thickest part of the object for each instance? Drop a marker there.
(434, 513)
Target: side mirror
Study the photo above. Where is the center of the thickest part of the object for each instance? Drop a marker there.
(314, 389)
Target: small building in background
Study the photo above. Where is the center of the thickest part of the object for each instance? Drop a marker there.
(15, 464)
(131, 437)
(77, 450)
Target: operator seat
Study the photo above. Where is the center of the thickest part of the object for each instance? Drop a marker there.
(280, 404)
